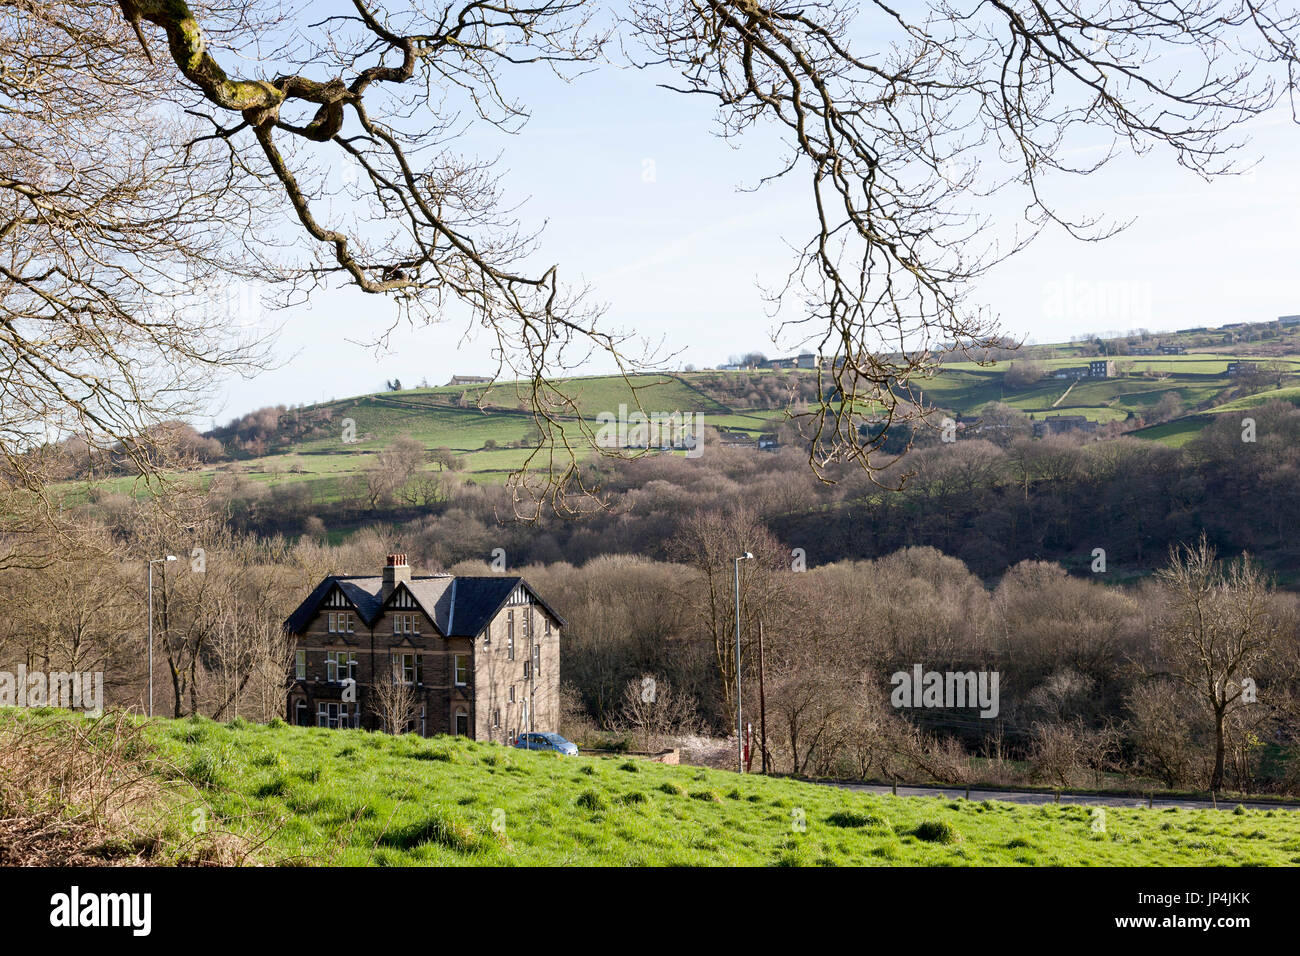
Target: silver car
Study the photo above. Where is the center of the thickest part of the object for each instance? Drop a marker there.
(547, 741)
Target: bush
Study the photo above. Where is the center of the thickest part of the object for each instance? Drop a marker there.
(857, 818)
(592, 800)
(936, 831)
(441, 827)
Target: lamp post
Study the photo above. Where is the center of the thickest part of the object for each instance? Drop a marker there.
(740, 730)
(170, 557)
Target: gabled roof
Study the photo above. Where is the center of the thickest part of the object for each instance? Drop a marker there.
(458, 606)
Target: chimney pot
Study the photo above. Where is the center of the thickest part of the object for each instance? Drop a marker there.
(397, 571)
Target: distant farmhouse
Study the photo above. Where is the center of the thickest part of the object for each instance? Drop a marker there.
(1103, 368)
(1236, 368)
(469, 380)
(468, 655)
(802, 360)
(1286, 321)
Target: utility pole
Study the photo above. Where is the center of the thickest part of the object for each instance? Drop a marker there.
(762, 700)
(170, 557)
(740, 727)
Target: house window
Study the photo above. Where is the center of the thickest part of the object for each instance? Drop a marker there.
(537, 659)
(510, 635)
(300, 665)
(462, 723)
(527, 622)
(406, 624)
(300, 714)
(462, 670)
(345, 622)
(331, 714)
(487, 636)
(339, 665)
(546, 626)
(333, 617)
(409, 668)
(512, 694)
(528, 670)
(496, 719)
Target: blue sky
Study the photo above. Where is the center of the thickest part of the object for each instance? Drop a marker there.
(677, 255)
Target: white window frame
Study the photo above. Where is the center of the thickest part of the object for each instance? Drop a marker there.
(332, 665)
(414, 674)
(300, 665)
(341, 717)
(456, 667)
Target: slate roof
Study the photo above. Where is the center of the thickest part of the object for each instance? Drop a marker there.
(458, 606)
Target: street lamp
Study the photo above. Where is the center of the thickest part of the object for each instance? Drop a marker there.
(170, 557)
(740, 733)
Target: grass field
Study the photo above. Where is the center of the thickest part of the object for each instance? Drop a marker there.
(488, 439)
(355, 798)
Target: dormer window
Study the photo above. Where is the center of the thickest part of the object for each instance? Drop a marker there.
(406, 624)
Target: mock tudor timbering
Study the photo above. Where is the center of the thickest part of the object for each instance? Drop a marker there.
(481, 655)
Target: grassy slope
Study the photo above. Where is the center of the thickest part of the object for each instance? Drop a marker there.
(432, 415)
(350, 797)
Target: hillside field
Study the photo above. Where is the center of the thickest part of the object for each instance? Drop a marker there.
(348, 797)
(492, 439)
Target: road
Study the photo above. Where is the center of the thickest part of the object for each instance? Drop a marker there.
(1093, 800)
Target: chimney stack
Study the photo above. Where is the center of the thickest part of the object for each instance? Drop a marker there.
(395, 572)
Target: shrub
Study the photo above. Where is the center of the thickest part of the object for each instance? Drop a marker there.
(630, 766)
(673, 788)
(205, 770)
(857, 818)
(936, 831)
(592, 800)
(441, 827)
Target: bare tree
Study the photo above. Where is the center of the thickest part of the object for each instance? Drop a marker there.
(394, 701)
(1217, 637)
(653, 709)
(122, 271)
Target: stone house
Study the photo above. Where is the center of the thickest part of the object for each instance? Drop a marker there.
(437, 654)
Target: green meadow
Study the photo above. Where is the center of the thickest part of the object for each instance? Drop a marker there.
(489, 429)
(348, 797)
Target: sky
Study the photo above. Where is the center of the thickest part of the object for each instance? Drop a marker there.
(641, 200)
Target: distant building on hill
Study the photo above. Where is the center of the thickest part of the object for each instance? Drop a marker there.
(1102, 368)
(469, 380)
